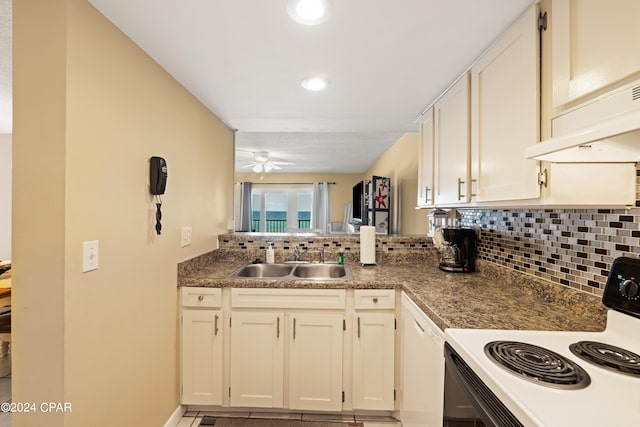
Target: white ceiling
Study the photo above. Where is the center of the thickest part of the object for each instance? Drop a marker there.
(244, 59)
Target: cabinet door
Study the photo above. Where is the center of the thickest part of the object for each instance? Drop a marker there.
(373, 361)
(202, 357)
(315, 366)
(594, 44)
(451, 133)
(425, 161)
(505, 115)
(257, 359)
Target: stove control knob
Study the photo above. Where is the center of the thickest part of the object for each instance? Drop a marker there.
(629, 288)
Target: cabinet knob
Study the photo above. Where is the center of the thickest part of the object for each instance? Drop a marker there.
(375, 300)
(200, 297)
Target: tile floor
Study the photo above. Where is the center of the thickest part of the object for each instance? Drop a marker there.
(193, 418)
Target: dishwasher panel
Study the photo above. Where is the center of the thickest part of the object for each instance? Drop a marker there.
(422, 368)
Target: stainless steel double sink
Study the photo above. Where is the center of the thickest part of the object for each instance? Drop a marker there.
(293, 271)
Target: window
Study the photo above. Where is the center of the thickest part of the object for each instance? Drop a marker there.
(276, 210)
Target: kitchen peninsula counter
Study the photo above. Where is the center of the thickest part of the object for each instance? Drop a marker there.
(492, 298)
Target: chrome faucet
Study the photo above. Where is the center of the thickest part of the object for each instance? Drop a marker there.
(297, 253)
(321, 250)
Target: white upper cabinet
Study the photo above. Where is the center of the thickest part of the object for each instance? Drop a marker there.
(451, 139)
(594, 46)
(474, 137)
(585, 53)
(505, 114)
(425, 161)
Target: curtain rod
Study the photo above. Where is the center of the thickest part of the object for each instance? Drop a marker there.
(286, 183)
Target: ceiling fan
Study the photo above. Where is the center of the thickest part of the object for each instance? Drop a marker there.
(261, 162)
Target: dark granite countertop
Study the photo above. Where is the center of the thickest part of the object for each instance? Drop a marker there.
(493, 298)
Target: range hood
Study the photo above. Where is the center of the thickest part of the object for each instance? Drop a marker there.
(606, 130)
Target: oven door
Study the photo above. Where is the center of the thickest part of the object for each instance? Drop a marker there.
(468, 399)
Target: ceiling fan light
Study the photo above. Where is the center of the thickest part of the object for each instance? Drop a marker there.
(268, 167)
(309, 12)
(315, 84)
(257, 168)
(261, 156)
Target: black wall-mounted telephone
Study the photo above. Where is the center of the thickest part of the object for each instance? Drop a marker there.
(158, 175)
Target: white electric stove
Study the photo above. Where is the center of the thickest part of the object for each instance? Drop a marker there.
(551, 378)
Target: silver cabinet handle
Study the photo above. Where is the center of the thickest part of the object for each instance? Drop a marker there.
(426, 194)
(419, 326)
(215, 325)
(200, 297)
(460, 195)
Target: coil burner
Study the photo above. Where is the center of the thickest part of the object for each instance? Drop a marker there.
(608, 356)
(537, 364)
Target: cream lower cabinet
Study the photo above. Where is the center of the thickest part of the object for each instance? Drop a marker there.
(315, 361)
(257, 359)
(299, 349)
(201, 347)
(373, 361)
(280, 334)
(374, 350)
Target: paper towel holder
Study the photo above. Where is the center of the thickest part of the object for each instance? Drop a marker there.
(368, 238)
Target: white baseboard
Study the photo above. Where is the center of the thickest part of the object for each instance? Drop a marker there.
(175, 418)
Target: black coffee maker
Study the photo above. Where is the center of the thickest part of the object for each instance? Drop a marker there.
(459, 254)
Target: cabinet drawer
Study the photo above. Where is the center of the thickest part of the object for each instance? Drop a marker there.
(201, 297)
(374, 299)
(288, 298)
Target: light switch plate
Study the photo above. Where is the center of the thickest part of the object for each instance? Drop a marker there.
(186, 237)
(89, 256)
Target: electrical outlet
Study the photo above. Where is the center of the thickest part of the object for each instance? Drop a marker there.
(186, 237)
(89, 256)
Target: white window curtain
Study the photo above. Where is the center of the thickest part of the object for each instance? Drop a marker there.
(243, 206)
(321, 212)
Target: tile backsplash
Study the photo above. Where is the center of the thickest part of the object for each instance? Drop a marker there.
(347, 242)
(388, 247)
(573, 247)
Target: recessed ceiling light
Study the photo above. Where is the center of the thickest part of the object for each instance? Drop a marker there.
(309, 12)
(315, 84)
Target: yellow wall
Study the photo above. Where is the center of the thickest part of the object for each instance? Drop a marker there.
(400, 163)
(90, 108)
(340, 193)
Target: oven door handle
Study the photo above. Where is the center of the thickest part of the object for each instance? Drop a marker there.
(478, 393)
